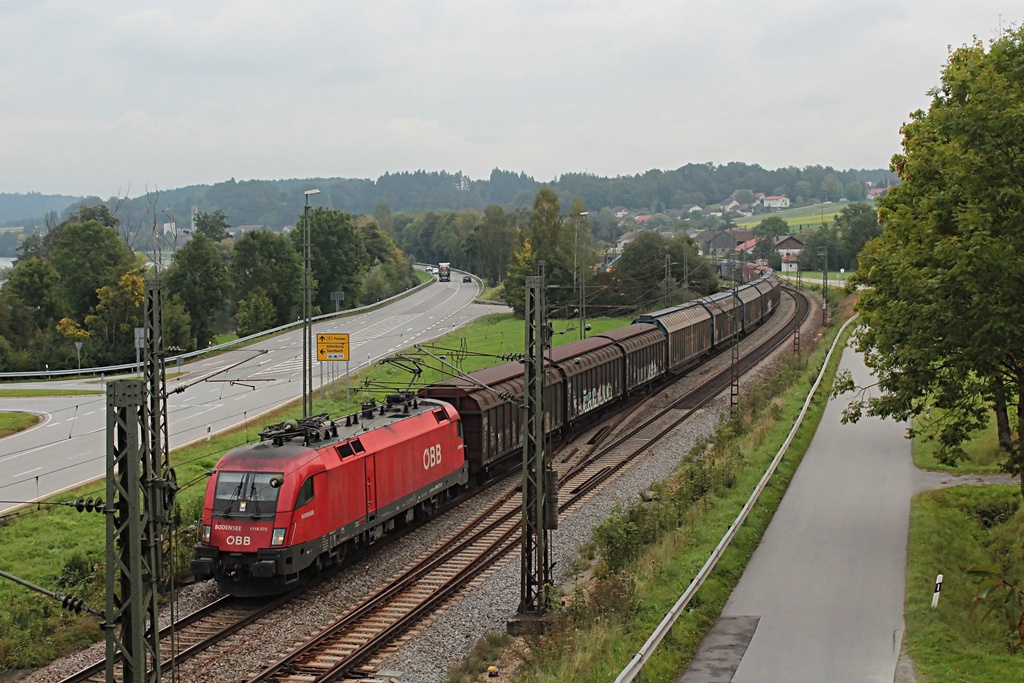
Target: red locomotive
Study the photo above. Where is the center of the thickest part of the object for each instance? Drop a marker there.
(311, 490)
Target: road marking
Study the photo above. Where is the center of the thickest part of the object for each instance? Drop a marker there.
(29, 472)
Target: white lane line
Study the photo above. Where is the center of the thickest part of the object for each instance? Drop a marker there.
(29, 472)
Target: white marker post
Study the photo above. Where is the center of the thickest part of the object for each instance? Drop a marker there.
(938, 588)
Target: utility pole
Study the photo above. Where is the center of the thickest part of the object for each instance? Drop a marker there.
(824, 287)
(140, 492)
(307, 312)
(737, 323)
(668, 275)
(540, 484)
(583, 277)
(686, 274)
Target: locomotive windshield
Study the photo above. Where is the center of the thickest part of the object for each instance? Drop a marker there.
(245, 495)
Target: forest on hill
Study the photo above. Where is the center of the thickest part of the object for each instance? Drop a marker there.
(276, 203)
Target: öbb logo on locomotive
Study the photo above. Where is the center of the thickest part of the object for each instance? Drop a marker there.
(431, 457)
(314, 490)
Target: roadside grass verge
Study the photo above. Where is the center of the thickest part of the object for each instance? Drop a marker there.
(950, 531)
(30, 393)
(646, 555)
(15, 422)
(219, 339)
(56, 547)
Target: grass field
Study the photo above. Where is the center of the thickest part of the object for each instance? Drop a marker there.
(804, 216)
(952, 530)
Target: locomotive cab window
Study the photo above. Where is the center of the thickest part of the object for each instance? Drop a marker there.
(458, 426)
(441, 415)
(305, 493)
(245, 495)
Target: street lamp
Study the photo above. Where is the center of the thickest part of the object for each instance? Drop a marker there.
(307, 311)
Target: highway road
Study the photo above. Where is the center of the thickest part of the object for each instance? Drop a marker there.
(68, 447)
(822, 597)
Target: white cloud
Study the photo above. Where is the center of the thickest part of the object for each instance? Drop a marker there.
(169, 94)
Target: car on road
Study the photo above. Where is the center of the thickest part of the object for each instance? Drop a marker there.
(466, 278)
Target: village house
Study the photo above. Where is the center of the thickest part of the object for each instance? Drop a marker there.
(776, 202)
(789, 247)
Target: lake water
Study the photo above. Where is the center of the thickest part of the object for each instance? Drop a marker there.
(6, 261)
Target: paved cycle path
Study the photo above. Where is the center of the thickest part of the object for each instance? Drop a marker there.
(822, 597)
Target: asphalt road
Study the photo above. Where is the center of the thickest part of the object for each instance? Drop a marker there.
(822, 597)
(68, 447)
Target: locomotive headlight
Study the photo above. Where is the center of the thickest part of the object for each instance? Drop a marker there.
(206, 533)
(278, 537)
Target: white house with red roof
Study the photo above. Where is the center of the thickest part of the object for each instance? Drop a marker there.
(776, 201)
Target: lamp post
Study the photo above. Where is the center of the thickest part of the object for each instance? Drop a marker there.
(307, 311)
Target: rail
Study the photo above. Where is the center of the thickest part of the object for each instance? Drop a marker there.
(635, 665)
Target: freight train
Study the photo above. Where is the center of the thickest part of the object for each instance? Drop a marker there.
(312, 490)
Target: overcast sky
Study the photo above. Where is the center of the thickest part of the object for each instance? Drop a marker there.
(115, 96)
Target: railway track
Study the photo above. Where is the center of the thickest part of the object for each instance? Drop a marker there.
(379, 621)
(344, 649)
(194, 633)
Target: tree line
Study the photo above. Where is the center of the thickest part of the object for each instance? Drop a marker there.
(81, 282)
(275, 204)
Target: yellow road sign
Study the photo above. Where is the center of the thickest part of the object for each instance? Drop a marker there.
(332, 346)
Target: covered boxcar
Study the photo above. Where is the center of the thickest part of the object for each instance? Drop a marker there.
(723, 306)
(643, 346)
(490, 404)
(592, 372)
(688, 330)
(752, 302)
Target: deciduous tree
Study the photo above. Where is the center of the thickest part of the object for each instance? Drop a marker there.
(199, 279)
(266, 261)
(88, 256)
(214, 225)
(942, 319)
(338, 256)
